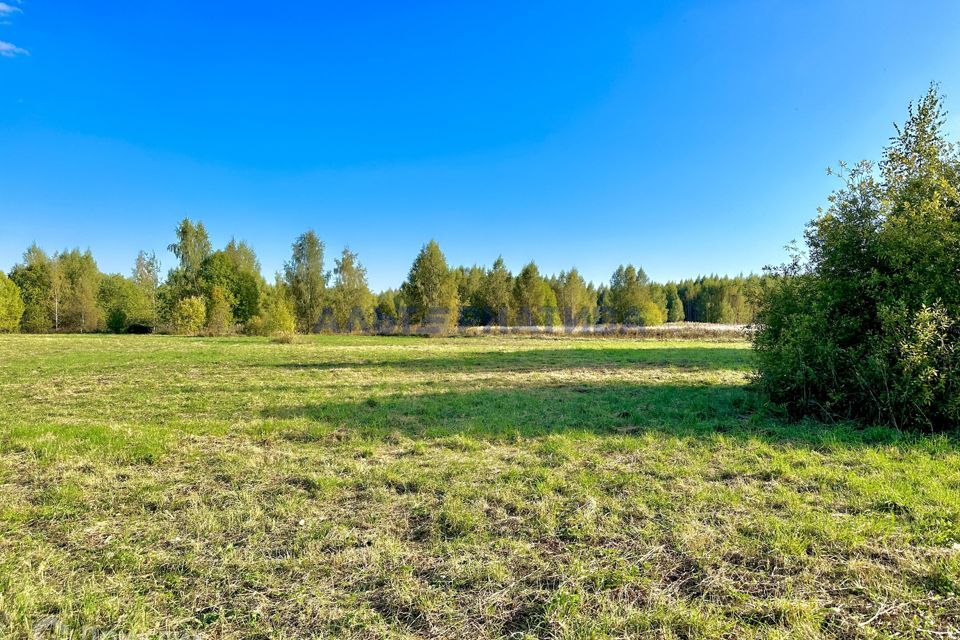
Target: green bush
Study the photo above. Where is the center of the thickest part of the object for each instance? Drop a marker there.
(11, 305)
(117, 321)
(649, 314)
(219, 313)
(927, 376)
(867, 326)
(276, 318)
(124, 303)
(189, 316)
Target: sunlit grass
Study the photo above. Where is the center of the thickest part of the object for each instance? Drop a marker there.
(481, 487)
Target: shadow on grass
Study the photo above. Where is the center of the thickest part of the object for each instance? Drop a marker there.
(700, 411)
(714, 358)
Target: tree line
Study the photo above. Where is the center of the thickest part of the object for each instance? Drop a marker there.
(222, 291)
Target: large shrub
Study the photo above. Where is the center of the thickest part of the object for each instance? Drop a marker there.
(124, 303)
(219, 312)
(189, 315)
(276, 317)
(867, 325)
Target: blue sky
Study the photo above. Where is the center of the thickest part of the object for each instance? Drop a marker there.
(687, 138)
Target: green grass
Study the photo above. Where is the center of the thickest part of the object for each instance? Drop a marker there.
(483, 487)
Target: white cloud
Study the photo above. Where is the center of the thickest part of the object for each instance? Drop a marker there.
(6, 9)
(8, 50)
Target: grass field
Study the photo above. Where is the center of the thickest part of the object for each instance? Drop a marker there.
(455, 488)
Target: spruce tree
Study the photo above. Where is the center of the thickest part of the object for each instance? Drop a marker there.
(674, 304)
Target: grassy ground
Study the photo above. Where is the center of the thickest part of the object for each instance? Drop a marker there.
(482, 487)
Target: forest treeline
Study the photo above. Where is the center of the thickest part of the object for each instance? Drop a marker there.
(222, 291)
(863, 325)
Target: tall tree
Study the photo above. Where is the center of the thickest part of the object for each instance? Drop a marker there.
(627, 294)
(246, 284)
(576, 304)
(633, 300)
(192, 246)
(495, 295)
(242, 256)
(239, 287)
(674, 304)
(469, 282)
(58, 290)
(430, 292)
(306, 281)
(82, 277)
(534, 302)
(32, 277)
(146, 276)
(351, 300)
(191, 249)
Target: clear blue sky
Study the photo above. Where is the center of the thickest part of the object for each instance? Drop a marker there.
(685, 137)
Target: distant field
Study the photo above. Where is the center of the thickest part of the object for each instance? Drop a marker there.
(457, 488)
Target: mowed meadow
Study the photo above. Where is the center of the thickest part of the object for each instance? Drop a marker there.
(489, 487)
